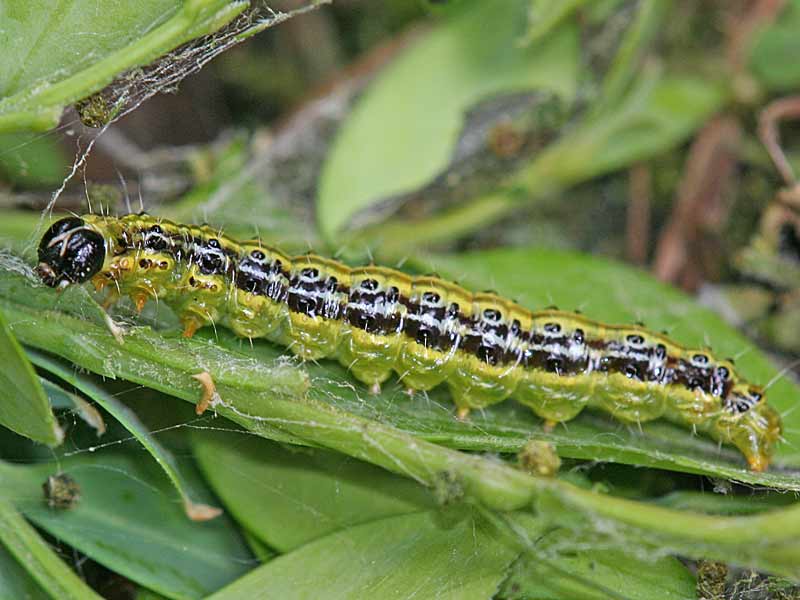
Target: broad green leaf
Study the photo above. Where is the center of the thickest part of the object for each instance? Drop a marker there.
(145, 594)
(192, 504)
(39, 560)
(58, 53)
(657, 113)
(769, 55)
(322, 417)
(128, 520)
(293, 497)
(290, 497)
(23, 406)
(401, 557)
(395, 141)
(15, 581)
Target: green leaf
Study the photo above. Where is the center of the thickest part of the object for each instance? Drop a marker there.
(719, 504)
(127, 519)
(24, 407)
(592, 574)
(290, 497)
(392, 144)
(17, 229)
(769, 54)
(40, 562)
(261, 551)
(145, 594)
(15, 581)
(191, 498)
(659, 112)
(320, 417)
(637, 41)
(58, 53)
(29, 160)
(293, 497)
(400, 557)
(545, 15)
(60, 398)
(654, 116)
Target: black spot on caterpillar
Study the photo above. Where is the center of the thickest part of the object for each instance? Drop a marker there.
(429, 331)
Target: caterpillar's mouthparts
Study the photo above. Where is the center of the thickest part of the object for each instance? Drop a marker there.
(46, 274)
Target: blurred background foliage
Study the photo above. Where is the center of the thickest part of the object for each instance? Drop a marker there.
(653, 132)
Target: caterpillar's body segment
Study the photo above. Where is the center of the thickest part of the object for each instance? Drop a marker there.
(379, 321)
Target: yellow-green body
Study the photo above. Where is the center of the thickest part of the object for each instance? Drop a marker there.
(200, 299)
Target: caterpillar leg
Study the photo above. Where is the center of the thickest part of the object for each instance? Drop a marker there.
(467, 400)
(368, 357)
(754, 433)
(312, 337)
(209, 392)
(190, 326)
(758, 463)
(372, 378)
(371, 373)
(629, 400)
(553, 397)
(420, 368)
(200, 300)
(100, 283)
(139, 300)
(475, 383)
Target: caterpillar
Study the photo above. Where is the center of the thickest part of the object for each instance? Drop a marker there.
(377, 321)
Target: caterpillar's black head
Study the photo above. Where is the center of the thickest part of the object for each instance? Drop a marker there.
(70, 252)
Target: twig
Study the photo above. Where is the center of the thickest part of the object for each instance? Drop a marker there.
(637, 233)
(701, 206)
(785, 108)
